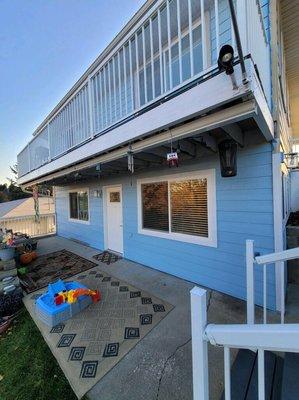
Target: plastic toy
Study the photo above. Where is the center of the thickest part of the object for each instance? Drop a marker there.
(53, 306)
(71, 296)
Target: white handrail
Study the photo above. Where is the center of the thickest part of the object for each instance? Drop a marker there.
(263, 337)
(270, 337)
(285, 255)
(264, 260)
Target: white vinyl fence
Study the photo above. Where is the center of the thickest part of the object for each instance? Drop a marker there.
(28, 225)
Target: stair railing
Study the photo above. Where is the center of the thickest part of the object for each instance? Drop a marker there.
(268, 260)
(262, 337)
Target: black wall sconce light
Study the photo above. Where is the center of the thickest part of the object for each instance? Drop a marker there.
(226, 59)
(228, 157)
(225, 62)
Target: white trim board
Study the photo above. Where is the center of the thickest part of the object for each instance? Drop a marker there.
(278, 230)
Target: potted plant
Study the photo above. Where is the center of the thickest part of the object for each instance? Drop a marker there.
(7, 247)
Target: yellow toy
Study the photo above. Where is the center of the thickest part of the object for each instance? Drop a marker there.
(71, 296)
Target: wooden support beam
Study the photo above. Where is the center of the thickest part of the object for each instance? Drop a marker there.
(207, 141)
(235, 132)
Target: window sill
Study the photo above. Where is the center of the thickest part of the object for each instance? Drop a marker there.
(180, 237)
(79, 221)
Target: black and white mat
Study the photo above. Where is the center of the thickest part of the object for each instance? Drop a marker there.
(107, 257)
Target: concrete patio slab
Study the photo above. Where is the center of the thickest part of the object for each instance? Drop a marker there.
(159, 367)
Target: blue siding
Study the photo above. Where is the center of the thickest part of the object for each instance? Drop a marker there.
(91, 233)
(266, 15)
(225, 34)
(244, 211)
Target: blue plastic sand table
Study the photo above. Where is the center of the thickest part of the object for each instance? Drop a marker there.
(52, 314)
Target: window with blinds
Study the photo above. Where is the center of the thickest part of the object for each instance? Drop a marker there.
(79, 205)
(176, 207)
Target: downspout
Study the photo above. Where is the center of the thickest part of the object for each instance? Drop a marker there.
(238, 41)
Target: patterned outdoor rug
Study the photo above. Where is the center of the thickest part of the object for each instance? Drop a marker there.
(95, 340)
(50, 267)
(107, 257)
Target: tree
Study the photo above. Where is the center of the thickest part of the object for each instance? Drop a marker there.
(12, 191)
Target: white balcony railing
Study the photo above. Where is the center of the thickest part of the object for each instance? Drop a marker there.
(28, 225)
(173, 43)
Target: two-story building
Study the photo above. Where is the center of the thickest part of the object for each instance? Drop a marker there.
(159, 154)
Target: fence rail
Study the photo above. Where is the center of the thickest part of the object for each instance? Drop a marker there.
(27, 224)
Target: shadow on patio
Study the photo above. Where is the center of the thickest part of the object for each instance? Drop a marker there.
(157, 363)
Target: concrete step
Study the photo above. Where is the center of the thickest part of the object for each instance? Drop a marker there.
(270, 360)
(240, 374)
(290, 377)
(244, 376)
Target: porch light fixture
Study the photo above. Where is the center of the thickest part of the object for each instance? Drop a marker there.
(292, 160)
(228, 157)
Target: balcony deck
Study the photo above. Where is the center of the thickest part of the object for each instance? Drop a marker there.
(161, 70)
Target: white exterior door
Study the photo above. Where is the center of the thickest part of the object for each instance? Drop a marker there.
(114, 219)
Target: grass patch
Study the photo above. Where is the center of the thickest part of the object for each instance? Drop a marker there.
(28, 370)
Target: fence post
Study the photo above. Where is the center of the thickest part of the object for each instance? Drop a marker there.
(250, 281)
(199, 344)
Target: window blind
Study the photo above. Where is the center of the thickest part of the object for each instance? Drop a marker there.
(189, 207)
(188, 201)
(155, 206)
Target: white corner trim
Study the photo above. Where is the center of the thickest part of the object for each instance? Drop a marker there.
(211, 240)
(76, 190)
(278, 230)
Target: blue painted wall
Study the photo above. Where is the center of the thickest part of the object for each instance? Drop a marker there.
(91, 233)
(265, 4)
(244, 211)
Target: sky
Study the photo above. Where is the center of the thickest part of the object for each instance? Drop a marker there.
(45, 46)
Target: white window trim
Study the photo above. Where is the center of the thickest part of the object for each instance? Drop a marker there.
(79, 221)
(211, 240)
